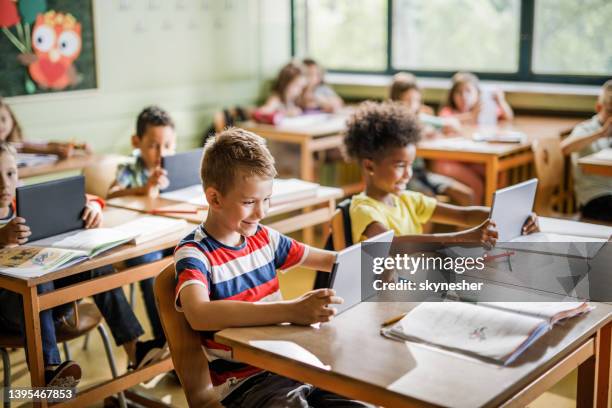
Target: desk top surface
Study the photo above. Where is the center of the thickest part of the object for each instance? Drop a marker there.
(113, 217)
(358, 354)
(76, 162)
(147, 204)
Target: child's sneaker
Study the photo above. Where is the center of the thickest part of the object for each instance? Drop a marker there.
(66, 375)
(148, 352)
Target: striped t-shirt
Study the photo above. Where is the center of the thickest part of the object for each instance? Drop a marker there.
(246, 273)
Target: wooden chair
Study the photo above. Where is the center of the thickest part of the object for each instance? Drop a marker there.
(188, 357)
(100, 175)
(550, 168)
(87, 318)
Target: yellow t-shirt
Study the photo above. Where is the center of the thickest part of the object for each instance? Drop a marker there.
(410, 211)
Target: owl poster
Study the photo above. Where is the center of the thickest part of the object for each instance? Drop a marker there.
(46, 46)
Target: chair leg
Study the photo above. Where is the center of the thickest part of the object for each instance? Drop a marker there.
(6, 365)
(67, 351)
(132, 294)
(86, 342)
(111, 361)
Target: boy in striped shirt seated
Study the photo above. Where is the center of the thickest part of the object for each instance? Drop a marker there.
(226, 274)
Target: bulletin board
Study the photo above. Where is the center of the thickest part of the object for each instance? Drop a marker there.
(46, 46)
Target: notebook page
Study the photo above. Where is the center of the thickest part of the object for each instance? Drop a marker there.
(466, 327)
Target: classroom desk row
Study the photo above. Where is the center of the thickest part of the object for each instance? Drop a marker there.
(495, 157)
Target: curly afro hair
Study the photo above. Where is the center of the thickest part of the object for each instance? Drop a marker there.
(375, 128)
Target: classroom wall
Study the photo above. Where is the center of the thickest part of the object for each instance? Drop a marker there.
(191, 57)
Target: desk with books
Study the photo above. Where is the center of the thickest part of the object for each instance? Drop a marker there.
(359, 363)
(599, 163)
(34, 303)
(325, 197)
(496, 157)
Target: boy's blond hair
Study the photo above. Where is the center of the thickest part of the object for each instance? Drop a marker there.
(231, 151)
(605, 96)
(402, 82)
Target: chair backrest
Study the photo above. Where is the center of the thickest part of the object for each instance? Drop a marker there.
(188, 356)
(549, 166)
(100, 175)
(340, 237)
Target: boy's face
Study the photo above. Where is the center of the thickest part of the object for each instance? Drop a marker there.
(155, 143)
(412, 99)
(604, 110)
(6, 123)
(465, 97)
(246, 203)
(8, 179)
(313, 75)
(392, 173)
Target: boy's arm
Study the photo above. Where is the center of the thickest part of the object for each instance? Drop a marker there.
(577, 142)
(117, 190)
(319, 259)
(204, 314)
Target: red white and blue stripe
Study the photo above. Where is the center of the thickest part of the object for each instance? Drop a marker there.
(246, 273)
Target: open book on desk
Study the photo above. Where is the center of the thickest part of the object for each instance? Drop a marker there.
(499, 331)
(61, 251)
(283, 191)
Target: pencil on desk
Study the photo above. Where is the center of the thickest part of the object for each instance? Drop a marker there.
(393, 320)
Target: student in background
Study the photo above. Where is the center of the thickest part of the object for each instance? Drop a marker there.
(155, 138)
(593, 192)
(465, 102)
(317, 94)
(10, 131)
(226, 274)
(386, 157)
(404, 89)
(113, 305)
(286, 93)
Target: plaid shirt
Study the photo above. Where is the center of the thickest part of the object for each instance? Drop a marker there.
(131, 175)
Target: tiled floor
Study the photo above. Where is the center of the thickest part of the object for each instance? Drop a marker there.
(95, 367)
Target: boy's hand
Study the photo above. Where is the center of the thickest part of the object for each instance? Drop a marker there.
(158, 180)
(486, 233)
(531, 224)
(92, 215)
(312, 307)
(15, 232)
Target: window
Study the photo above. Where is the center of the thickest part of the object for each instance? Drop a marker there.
(346, 34)
(526, 40)
(573, 37)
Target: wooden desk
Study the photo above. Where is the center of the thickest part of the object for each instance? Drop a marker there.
(595, 164)
(76, 162)
(325, 196)
(313, 137)
(496, 157)
(35, 303)
(368, 367)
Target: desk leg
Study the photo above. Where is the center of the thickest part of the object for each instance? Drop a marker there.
(308, 174)
(491, 173)
(594, 375)
(31, 310)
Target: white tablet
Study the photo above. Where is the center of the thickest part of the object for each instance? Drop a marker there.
(346, 277)
(511, 207)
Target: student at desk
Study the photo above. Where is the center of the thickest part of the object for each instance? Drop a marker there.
(226, 274)
(593, 192)
(382, 137)
(404, 89)
(113, 305)
(10, 131)
(465, 104)
(155, 138)
(286, 93)
(317, 94)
